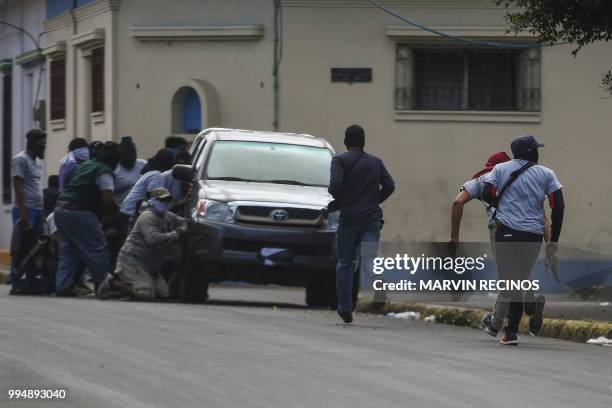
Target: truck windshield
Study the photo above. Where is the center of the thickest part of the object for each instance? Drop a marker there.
(269, 163)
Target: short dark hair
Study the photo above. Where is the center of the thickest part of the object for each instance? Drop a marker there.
(110, 154)
(183, 157)
(175, 141)
(36, 135)
(354, 136)
(77, 143)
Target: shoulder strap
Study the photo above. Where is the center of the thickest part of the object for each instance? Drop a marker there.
(352, 166)
(513, 176)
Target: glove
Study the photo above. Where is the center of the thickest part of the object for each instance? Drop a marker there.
(181, 230)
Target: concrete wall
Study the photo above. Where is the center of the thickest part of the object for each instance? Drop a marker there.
(235, 75)
(430, 160)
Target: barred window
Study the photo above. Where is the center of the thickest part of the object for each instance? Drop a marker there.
(97, 80)
(467, 79)
(58, 88)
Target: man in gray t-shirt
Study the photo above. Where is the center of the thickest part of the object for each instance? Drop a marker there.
(26, 172)
(518, 190)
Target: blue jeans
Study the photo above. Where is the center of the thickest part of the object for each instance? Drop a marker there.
(35, 217)
(349, 239)
(80, 237)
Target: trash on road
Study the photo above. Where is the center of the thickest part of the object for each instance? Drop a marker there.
(430, 319)
(405, 315)
(600, 341)
(604, 304)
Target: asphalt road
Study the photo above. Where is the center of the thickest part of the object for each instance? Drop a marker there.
(243, 353)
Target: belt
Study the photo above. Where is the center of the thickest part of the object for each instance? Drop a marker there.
(67, 206)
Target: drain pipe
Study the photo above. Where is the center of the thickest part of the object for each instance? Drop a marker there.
(278, 54)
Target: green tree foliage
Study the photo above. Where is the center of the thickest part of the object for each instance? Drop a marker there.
(578, 22)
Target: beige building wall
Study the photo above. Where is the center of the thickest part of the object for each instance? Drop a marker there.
(224, 49)
(233, 76)
(431, 159)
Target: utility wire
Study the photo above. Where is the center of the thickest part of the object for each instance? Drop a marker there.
(16, 27)
(461, 39)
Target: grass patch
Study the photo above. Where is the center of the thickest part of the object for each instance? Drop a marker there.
(572, 330)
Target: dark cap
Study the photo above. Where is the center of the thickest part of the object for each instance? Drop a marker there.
(161, 194)
(523, 145)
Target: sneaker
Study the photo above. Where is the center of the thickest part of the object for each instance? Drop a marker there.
(487, 325)
(82, 290)
(20, 292)
(536, 320)
(105, 291)
(68, 292)
(346, 317)
(509, 339)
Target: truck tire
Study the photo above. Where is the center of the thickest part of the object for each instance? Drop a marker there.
(325, 296)
(193, 287)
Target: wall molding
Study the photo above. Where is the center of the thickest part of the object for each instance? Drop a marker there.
(468, 116)
(402, 32)
(423, 4)
(30, 58)
(88, 39)
(198, 33)
(54, 50)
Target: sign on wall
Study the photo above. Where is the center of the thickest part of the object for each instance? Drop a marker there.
(351, 75)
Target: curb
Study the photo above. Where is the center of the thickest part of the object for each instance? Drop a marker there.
(572, 330)
(5, 276)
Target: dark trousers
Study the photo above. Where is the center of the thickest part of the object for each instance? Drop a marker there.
(516, 253)
(349, 240)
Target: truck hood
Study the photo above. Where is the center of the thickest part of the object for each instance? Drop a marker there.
(228, 191)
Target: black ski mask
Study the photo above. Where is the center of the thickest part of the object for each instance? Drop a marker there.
(532, 156)
(36, 143)
(128, 152)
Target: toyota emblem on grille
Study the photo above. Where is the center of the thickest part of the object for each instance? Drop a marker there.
(279, 215)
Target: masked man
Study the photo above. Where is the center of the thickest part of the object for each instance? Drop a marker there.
(141, 259)
(26, 171)
(80, 208)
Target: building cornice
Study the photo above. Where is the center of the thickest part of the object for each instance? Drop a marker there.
(402, 32)
(425, 4)
(88, 39)
(30, 58)
(198, 33)
(55, 49)
(81, 13)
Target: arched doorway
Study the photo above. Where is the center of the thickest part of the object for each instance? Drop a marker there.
(186, 111)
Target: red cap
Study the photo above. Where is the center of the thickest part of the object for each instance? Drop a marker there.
(494, 159)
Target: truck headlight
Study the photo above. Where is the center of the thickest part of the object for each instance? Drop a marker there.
(215, 211)
(333, 220)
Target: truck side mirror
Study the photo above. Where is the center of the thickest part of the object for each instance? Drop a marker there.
(183, 172)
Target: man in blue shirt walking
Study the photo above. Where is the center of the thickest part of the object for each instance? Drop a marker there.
(359, 183)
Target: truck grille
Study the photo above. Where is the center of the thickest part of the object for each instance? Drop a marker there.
(279, 216)
(297, 249)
